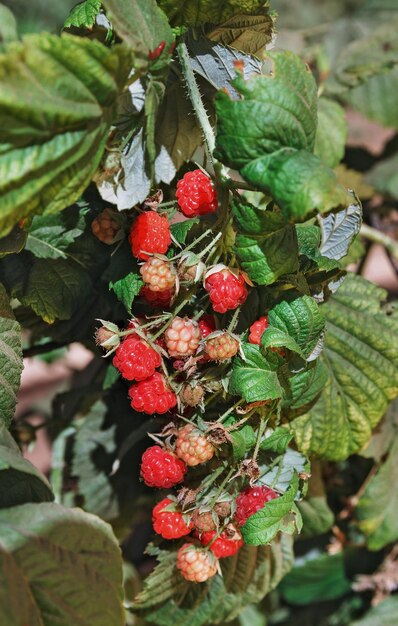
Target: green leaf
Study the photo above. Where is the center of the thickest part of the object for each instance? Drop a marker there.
(49, 237)
(248, 576)
(58, 565)
(11, 364)
(248, 33)
(83, 14)
(180, 230)
(20, 481)
(264, 525)
(384, 176)
(195, 12)
(300, 183)
(331, 134)
(317, 516)
(338, 231)
(93, 482)
(278, 440)
(285, 102)
(320, 578)
(142, 25)
(384, 614)
(13, 242)
(376, 98)
(242, 441)
(55, 289)
(384, 435)
(301, 319)
(265, 244)
(304, 387)
(8, 26)
(376, 510)
(361, 355)
(127, 289)
(57, 102)
(255, 378)
(309, 237)
(280, 476)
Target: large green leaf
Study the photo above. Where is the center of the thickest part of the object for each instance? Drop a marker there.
(317, 516)
(127, 288)
(57, 102)
(262, 527)
(142, 25)
(83, 14)
(377, 507)
(255, 378)
(90, 439)
(285, 102)
(8, 26)
(361, 354)
(265, 243)
(58, 566)
(20, 481)
(303, 388)
(50, 236)
(376, 98)
(300, 183)
(331, 134)
(11, 364)
(194, 12)
(167, 600)
(384, 614)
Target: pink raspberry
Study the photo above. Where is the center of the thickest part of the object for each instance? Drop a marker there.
(182, 337)
(152, 395)
(192, 446)
(195, 564)
(158, 274)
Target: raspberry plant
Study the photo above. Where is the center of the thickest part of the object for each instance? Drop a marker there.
(169, 198)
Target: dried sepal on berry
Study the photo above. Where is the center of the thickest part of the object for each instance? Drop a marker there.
(107, 336)
(192, 393)
(191, 269)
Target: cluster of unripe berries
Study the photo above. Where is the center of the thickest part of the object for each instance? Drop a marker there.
(214, 531)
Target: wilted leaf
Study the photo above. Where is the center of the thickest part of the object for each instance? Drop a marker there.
(247, 33)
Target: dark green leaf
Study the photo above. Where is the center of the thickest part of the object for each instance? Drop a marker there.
(361, 355)
(11, 364)
(83, 14)
(384, 176)
(180, 230)
(248, 33)
(195, 12)
(49, 237)
(57, 101)
(278, 440)
(309, 241)
(331, 134)
(127, 289)
(264, 525)
(318, 579)
(58, 566)
(13, 242)
(242, 441)
(255, 378)
(304, 387)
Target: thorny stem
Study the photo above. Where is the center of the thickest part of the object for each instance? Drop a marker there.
(234, 320)
(174, 314)
(261, 430)
(196, 99)
(376, 236)
(221, 487)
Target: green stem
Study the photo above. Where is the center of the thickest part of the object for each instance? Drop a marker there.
(230, 410)
(174, 314)
(221, 487)
(376, 236)
(260, 433)
(196, 99)
(234, 320)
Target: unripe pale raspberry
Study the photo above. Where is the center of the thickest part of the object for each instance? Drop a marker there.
(150, 233)
(105, 227)
(207, 325)
(106, 338)
(182, 337)
(226, 290)
(221, 347)
(160, 299)
(196, 194)
(152, 395)
(227, 544)
(169, 523)
(161, 469)
(192, 446)
(135, 359)
(191, 395)
(158, 274)
(252, 500)
(257, 329)
(195, 564)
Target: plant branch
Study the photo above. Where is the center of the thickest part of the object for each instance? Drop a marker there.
(376, 236)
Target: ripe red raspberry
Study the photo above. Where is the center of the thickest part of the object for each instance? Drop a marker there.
(252, 500)
(150, 233)
(158, 274)
(161, 469)
(226, 290)
(169, 523)
(221, 347)
(227, 544)
(105, 227)
(207, 325)
(196, 194)
(182, 337)
(192, 446)
(161, 299)
(257, 329)
(195, 564)
(152, 395)
(135, 359)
